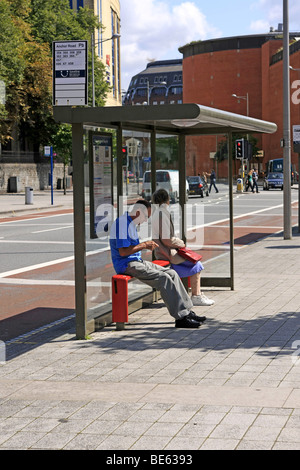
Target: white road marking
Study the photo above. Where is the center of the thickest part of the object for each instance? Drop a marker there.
(52, 229)
(35, 242)
(38, 217)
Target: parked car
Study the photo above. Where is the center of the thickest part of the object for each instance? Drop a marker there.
(273, 180)
(165, 179)
(197, 186)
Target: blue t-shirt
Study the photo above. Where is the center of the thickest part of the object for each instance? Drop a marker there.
(123, 234)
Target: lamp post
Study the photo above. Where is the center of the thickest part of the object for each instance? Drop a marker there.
(154, 86)
(93, 44)
(243, 98)
(287, 228)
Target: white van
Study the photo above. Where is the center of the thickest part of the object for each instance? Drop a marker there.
(165, 179)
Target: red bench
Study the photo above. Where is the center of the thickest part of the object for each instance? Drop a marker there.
(120, 296)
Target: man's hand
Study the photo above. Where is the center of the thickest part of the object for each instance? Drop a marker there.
(149, 245)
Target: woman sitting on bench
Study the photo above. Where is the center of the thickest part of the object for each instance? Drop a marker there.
(164, 236)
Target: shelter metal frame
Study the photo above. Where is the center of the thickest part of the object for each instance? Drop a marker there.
(181, 120)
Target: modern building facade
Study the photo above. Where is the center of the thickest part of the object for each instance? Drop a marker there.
(107, 42)
(160, 83)
(244, 75)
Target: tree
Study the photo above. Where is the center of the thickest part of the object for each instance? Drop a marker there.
(12, 65)
(53, 20)
(62, 146)
(29, 28)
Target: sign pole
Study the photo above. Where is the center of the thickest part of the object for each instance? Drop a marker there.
(51, 159)
(286, 126)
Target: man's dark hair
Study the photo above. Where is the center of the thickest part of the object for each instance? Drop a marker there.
(145, 203)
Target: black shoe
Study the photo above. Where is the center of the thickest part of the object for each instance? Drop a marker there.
(195, 317)
(186, 322)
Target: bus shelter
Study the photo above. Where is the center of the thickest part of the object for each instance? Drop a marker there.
(106, 164)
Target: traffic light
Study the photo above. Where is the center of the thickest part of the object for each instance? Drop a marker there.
(249, 150)
(124, 155)
(239, 149)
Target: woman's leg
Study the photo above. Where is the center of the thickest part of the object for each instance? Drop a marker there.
(195, 284)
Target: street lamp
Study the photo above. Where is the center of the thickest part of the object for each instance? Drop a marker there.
(243, 98)
(154, 86)
(93, 45)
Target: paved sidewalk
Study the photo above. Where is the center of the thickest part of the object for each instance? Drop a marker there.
(14, 204)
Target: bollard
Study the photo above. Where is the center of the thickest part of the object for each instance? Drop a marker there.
(239, 186)
(28, 195)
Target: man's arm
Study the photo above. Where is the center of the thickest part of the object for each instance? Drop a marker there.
(130, 250)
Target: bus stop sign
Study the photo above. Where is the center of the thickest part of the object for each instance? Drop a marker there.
(70, 73)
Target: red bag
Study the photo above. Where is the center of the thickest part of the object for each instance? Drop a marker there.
(189, 255)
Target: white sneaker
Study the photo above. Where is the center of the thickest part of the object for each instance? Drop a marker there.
(201, 300)
(210, 300)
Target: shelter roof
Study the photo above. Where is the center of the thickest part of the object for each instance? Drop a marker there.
(189, 119)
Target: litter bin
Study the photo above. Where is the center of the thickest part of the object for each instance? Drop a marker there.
(239, 186)
(28, 195)
(13, 184)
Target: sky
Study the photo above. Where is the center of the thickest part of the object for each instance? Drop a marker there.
(155, 29)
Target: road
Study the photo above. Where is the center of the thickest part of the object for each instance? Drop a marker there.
(37, 274)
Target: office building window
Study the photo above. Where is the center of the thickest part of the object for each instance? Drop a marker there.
(176, 90)
(141, 92)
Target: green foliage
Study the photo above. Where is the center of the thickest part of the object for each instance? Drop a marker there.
(222, 152)
(28, 28)
(62, 143)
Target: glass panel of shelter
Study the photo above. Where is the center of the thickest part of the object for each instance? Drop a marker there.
(206, 219)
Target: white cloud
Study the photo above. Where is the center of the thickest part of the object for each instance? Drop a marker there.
(260, 26)
(272, 13)
(152, 29)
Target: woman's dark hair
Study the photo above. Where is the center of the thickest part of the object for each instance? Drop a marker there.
(161, 196)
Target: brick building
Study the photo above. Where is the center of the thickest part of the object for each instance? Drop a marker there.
(251, 68)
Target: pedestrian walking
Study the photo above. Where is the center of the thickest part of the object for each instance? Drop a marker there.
(213, 181)
(254, 181)
(249, 181)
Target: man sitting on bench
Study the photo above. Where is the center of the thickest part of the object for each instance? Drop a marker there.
(126, 257)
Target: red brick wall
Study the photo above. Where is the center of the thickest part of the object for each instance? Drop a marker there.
(210, 79)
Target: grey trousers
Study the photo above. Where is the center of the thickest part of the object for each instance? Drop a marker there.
(165, 280)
